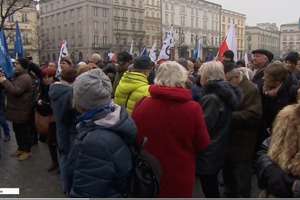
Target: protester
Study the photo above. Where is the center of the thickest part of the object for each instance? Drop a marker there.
(52, 65)
(96, 61)
(261, 59)
(292, 60)
(237, 171)
(175, 136)
(83, 67)
(124, 60)
(61, 101)
(44, 109)
(100, 162)
(20, 107)
(110, 70)
(134, 84)
(279, 90)
(218, 99)
(278, 170)
(228, 56)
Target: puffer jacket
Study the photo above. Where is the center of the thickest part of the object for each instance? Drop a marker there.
(219, 100)
(100, 161)
(19, 93)
(132, 88)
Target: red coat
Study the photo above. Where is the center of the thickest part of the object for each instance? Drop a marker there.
(176, 131)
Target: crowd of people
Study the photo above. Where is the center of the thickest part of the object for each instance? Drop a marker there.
(202, 121)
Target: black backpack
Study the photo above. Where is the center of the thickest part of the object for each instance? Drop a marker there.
(145, 179)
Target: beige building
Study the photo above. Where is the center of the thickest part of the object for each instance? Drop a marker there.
(289, 38)
(192, 20)
(153, 23)
(239, 20)
(128, 24)
(263, 36)
(86, 25)
(28, 23)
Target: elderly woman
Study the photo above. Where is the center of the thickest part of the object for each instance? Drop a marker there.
(218, 99)
(175, 127)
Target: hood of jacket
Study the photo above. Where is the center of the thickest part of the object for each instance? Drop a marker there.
(131, 81)
(170, 93)
(60, 91)
(230, 95)
(117, 121)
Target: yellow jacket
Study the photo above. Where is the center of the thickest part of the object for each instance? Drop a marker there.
(131, 89)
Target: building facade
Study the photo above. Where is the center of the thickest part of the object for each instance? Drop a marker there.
(289, 38)
(28, 23)
(192, 20)
(153, 23)
(128, 24)
(263, 36)
(86, 25)
(239, 20)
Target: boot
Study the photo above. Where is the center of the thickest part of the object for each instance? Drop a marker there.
(24, 156)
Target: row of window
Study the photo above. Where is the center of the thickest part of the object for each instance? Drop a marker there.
(133, 3)
(15, 17)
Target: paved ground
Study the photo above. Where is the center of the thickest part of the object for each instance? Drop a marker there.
(30, 176)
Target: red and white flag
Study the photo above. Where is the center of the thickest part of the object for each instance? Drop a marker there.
(229, 43)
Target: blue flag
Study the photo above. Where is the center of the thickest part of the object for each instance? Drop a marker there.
(19, 50)
(5, 61)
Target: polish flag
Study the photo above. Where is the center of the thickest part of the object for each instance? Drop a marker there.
(230, 43)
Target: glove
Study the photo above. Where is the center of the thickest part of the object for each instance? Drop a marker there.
(278, 183)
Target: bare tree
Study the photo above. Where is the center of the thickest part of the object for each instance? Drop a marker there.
(10, 7)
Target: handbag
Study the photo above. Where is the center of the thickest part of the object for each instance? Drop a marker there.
(42, 123)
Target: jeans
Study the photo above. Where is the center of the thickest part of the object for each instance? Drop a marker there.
(4, 124)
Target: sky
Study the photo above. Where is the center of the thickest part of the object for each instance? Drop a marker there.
(260, 11)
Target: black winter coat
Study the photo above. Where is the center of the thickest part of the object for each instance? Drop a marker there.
(218, 101)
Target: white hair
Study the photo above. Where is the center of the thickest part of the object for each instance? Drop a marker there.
(96, 57)
(171, 74)
(211, 71)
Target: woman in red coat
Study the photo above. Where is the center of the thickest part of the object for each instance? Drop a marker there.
(175, 127)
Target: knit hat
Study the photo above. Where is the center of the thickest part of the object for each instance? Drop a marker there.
(142, 62)
(92, 89)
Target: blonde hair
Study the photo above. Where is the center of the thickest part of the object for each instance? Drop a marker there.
(171, 74)
(212, 71)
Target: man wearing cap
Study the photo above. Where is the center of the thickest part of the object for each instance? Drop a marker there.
(261, 59)
(134, 84)
(292, 60)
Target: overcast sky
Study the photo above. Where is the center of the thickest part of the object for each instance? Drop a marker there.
(258, 11)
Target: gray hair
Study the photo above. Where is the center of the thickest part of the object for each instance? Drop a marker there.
(212, 71)
(171, 74)
(96, 57)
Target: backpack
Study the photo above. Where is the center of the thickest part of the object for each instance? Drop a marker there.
(145, 179)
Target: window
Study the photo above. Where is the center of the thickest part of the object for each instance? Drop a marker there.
(105, 12)
(11, 18)
(24, 17)
(95, 12)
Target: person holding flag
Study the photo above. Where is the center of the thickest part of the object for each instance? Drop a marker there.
(19, 107)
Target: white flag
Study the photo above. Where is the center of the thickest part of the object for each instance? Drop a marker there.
(169, 43)
(246, 59)
(152, 54)
(200, 49)
(63, 53)
(131, 48)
